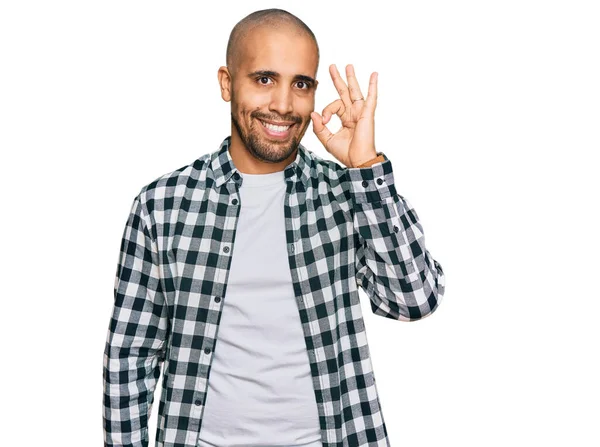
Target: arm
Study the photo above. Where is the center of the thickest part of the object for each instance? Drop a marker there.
(136, 337)
(400, 277)
(393, 267)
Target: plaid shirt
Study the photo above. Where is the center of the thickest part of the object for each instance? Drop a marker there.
(345, 228)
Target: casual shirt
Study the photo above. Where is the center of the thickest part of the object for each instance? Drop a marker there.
(260, 391)
(345, 228)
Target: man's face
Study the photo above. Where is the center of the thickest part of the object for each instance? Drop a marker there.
(272, 92)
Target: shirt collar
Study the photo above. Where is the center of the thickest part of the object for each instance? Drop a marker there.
(223, 168)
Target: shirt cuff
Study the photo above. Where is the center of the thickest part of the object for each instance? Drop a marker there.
(372, 161)
(373, 183)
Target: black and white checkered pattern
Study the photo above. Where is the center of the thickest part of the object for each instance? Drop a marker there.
(344, 228)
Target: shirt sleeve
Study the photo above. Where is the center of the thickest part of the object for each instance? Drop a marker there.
(136, 337)
(393, 266)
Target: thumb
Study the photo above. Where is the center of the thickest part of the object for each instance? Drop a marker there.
(320, 129)
(317, 122)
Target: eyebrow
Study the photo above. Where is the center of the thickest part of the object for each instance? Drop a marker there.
(274, 74)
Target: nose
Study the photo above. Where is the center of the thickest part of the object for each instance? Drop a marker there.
(282, 100)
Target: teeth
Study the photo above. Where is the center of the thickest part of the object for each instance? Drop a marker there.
(275, 128)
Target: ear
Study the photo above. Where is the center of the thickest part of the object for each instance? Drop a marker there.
(225, 83)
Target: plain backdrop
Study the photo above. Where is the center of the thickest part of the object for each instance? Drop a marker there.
(489, 111)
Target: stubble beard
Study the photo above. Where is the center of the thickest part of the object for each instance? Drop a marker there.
(259, 148)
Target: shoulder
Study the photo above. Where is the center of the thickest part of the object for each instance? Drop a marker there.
(164, 190)
(323, 169)
(330, 177)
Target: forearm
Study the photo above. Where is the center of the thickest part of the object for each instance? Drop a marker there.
(393, 266)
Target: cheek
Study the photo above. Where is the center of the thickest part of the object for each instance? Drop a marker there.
(242, 112)
(305, 114)
(305, 106)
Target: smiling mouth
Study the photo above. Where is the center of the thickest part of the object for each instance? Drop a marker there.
(276, 131)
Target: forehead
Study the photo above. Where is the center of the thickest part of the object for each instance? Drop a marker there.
(285, 50)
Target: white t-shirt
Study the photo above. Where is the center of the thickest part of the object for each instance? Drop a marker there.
(260, 389)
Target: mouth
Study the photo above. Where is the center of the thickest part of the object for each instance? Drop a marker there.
(276, 131)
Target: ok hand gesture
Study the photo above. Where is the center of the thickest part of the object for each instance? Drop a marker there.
(354, 143)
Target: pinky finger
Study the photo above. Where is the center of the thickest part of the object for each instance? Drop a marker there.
(372, 95)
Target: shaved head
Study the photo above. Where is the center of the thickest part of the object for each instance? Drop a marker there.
(270, 80)
(275, 19)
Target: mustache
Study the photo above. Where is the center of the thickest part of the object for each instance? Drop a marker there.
(293, 119)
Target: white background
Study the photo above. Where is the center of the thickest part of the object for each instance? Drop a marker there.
(490, 113)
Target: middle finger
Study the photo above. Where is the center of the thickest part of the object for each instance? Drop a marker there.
(340, 85)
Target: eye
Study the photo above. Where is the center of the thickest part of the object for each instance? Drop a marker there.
(306, 85)
(259, 79)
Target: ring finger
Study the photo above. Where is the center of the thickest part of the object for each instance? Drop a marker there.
(353, 86)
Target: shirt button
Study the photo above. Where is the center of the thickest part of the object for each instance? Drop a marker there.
(379, 181)
(292, 248)
(226, 249)
(365, 183)
(217, 299)
(207, 350)
(234, 201)
(395, 228)
(236, 176)
(198, 402)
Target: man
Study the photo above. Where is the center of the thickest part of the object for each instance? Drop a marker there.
(240, 271)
